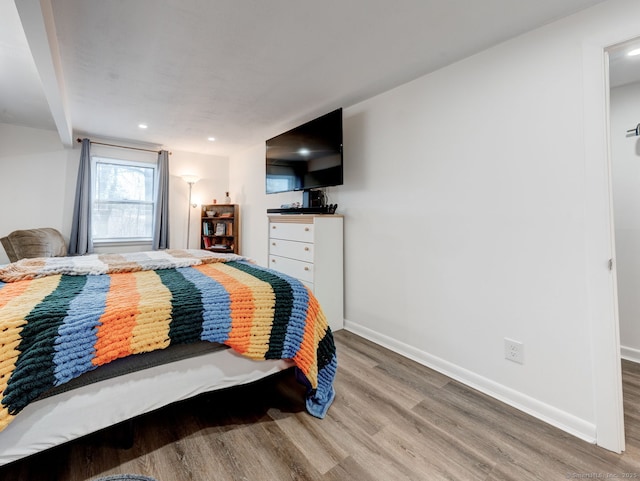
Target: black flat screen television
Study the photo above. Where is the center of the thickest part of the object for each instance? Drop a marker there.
(306, 157)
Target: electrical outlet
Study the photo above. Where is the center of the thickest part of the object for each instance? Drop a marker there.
(513, 351)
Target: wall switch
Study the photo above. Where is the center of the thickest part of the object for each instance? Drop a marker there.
(513, 351)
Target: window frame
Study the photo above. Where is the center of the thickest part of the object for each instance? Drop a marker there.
(123, 241)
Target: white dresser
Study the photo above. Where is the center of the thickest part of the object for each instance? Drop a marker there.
(310, 248)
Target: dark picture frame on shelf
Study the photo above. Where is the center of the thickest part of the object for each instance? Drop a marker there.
(220, 229)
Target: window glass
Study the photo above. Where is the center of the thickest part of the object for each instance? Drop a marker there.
(123, 200)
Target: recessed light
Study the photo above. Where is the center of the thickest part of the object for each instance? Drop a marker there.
(211, 139)
(304, 151)
(634, 52)
(142, 126)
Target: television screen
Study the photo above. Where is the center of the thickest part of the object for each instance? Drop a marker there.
(306, 157)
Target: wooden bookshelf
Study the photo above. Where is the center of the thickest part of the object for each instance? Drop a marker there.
(220, 228)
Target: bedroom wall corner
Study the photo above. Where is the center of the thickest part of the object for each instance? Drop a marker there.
(247, 188)
(563, 420)
(213, 171)
(36, 175)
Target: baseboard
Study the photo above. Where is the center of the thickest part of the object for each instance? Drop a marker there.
(545, 412)
(630, 354)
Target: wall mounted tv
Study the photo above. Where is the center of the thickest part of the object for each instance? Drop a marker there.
(306, 157)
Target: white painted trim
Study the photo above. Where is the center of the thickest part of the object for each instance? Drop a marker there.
(630, 354)
(37, 21)
(549, 414)
(601, 282)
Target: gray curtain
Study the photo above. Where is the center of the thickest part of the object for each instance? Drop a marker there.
(80, 241)
(161, 223)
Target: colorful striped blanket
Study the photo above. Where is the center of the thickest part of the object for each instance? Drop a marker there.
(57, 327)
(95, 264)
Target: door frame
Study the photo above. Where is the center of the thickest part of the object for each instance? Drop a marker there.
(600, 241)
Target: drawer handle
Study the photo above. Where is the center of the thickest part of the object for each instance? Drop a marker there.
(306, 249)
(273, 226)
(306, 229)
(273, 261)
(306, 268)
(273, 243)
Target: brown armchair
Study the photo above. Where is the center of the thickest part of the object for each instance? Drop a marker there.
(28, 243)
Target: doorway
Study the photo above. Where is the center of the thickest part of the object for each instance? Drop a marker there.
(624, 150)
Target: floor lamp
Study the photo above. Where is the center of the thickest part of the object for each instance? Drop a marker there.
(190, 179)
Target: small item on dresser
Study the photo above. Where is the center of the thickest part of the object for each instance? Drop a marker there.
(227, 199)
(214, 201)
(294, 205)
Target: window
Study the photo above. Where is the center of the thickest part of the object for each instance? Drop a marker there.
(123, 203)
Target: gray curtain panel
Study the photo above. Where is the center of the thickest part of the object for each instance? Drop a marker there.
(80, 241)
(161, 224)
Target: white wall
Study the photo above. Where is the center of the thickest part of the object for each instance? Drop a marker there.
(37, 175)
(470, 201)
(213, 184)
(625, 154)
(38, 178)
(247, 184)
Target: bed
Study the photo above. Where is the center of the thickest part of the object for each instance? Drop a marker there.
(80, 334)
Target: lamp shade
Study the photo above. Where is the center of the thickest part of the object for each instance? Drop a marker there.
(190, 179)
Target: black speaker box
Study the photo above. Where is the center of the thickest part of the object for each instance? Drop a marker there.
(312, 198)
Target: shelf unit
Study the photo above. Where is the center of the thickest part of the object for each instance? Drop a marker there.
(220, 228)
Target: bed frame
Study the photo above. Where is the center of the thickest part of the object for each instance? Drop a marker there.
(74, 413)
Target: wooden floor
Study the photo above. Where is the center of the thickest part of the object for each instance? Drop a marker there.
(392, 420)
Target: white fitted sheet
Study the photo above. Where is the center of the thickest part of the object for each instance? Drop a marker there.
(69, 415)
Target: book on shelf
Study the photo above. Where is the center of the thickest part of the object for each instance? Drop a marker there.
(206, 241)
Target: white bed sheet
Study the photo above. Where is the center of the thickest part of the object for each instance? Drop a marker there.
(69, 415)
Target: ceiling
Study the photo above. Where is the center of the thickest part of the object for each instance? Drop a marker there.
(238, 70)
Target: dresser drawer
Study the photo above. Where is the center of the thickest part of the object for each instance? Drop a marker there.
(291, 231)
(303, 251)
(294, 268)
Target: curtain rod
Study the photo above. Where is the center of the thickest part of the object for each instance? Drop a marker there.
(120, 146)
